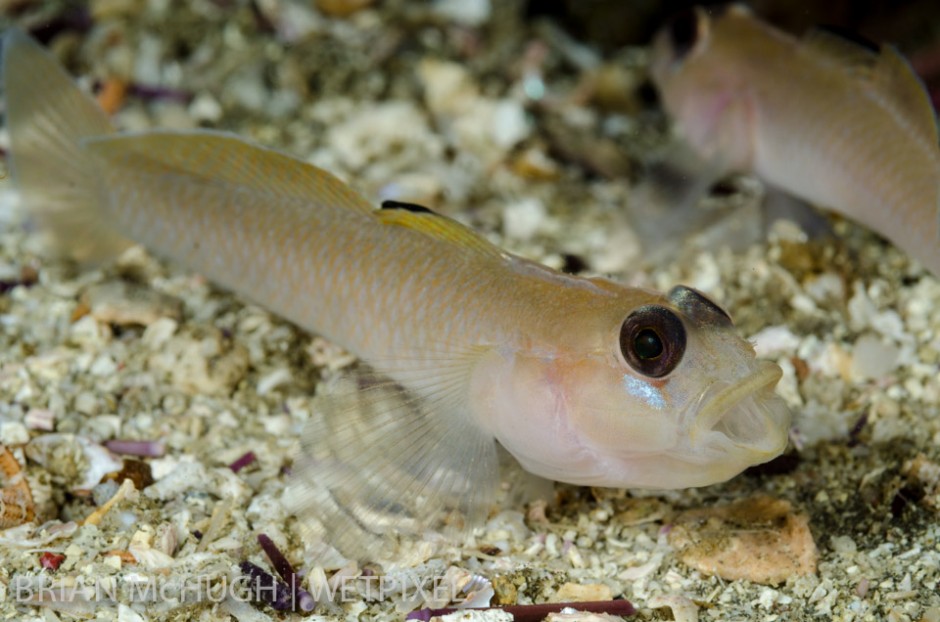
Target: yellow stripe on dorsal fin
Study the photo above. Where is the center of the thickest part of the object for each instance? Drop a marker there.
(429, 223)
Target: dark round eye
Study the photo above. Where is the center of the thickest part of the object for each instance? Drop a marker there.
(647, 344)
(683, 32)
(652, 340)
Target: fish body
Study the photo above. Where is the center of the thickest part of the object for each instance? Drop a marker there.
(843, 126)
(581, 380)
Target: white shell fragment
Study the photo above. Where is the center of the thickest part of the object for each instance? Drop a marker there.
(454, 98)
(872, 358)
(464, 12)
(124, 303)
(486, 615)
(571, 614)
(141, 547)
(682, 607)
(202, 362)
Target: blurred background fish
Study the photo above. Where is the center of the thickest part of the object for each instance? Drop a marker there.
(835, 121)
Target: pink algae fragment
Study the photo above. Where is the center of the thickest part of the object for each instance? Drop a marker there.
(51, 561)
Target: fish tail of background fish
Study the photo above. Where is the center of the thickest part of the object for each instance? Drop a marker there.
(48, 117)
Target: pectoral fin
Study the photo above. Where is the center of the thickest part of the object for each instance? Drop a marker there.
(380, 462)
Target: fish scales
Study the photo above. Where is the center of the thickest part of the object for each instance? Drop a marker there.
(313, 265)
(580, 379)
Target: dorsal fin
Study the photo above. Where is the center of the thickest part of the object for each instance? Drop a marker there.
(842, 47)
(885, 71)
(382, 462)
(425, 221)
(896, 80)
(410, 207)
(845, 37)
(222, 158)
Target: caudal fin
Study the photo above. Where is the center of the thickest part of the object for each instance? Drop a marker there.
(47, 117)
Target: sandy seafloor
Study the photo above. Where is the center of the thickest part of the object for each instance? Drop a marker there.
(405, 102)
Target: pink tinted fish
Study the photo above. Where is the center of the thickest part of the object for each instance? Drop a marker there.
(582, 380)
(840, 125)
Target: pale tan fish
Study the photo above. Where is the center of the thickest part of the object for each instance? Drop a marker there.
(582, 380)
(824, 118)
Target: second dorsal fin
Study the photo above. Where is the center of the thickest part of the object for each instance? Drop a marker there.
(883, 69)
(853, 53)
(896, 80)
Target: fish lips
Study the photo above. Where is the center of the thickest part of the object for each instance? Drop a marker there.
(744, 417)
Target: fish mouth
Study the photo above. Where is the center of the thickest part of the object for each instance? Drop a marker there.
(746, 414)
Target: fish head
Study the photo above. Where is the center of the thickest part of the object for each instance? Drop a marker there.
(701, 65)
(667, 396)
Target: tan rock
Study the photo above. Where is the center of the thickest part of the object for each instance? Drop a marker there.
(761, 539)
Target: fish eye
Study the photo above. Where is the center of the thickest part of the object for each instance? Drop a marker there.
(683, 32)
(652, 340)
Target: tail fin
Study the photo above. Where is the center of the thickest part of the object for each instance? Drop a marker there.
(47, 117)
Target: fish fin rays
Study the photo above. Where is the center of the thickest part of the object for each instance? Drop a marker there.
(895, 78)
(66, 158)
(884, 70)
(667, 209)
(47, 117)
(218, 158)
(441, 228)
(379, 461)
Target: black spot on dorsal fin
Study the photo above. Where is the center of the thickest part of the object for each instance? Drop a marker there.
(408, 207)
(850, 36)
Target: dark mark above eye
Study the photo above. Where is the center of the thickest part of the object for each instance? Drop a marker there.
(409, 207)
(698, 307)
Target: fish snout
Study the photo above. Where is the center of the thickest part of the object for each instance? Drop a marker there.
(746, 416)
